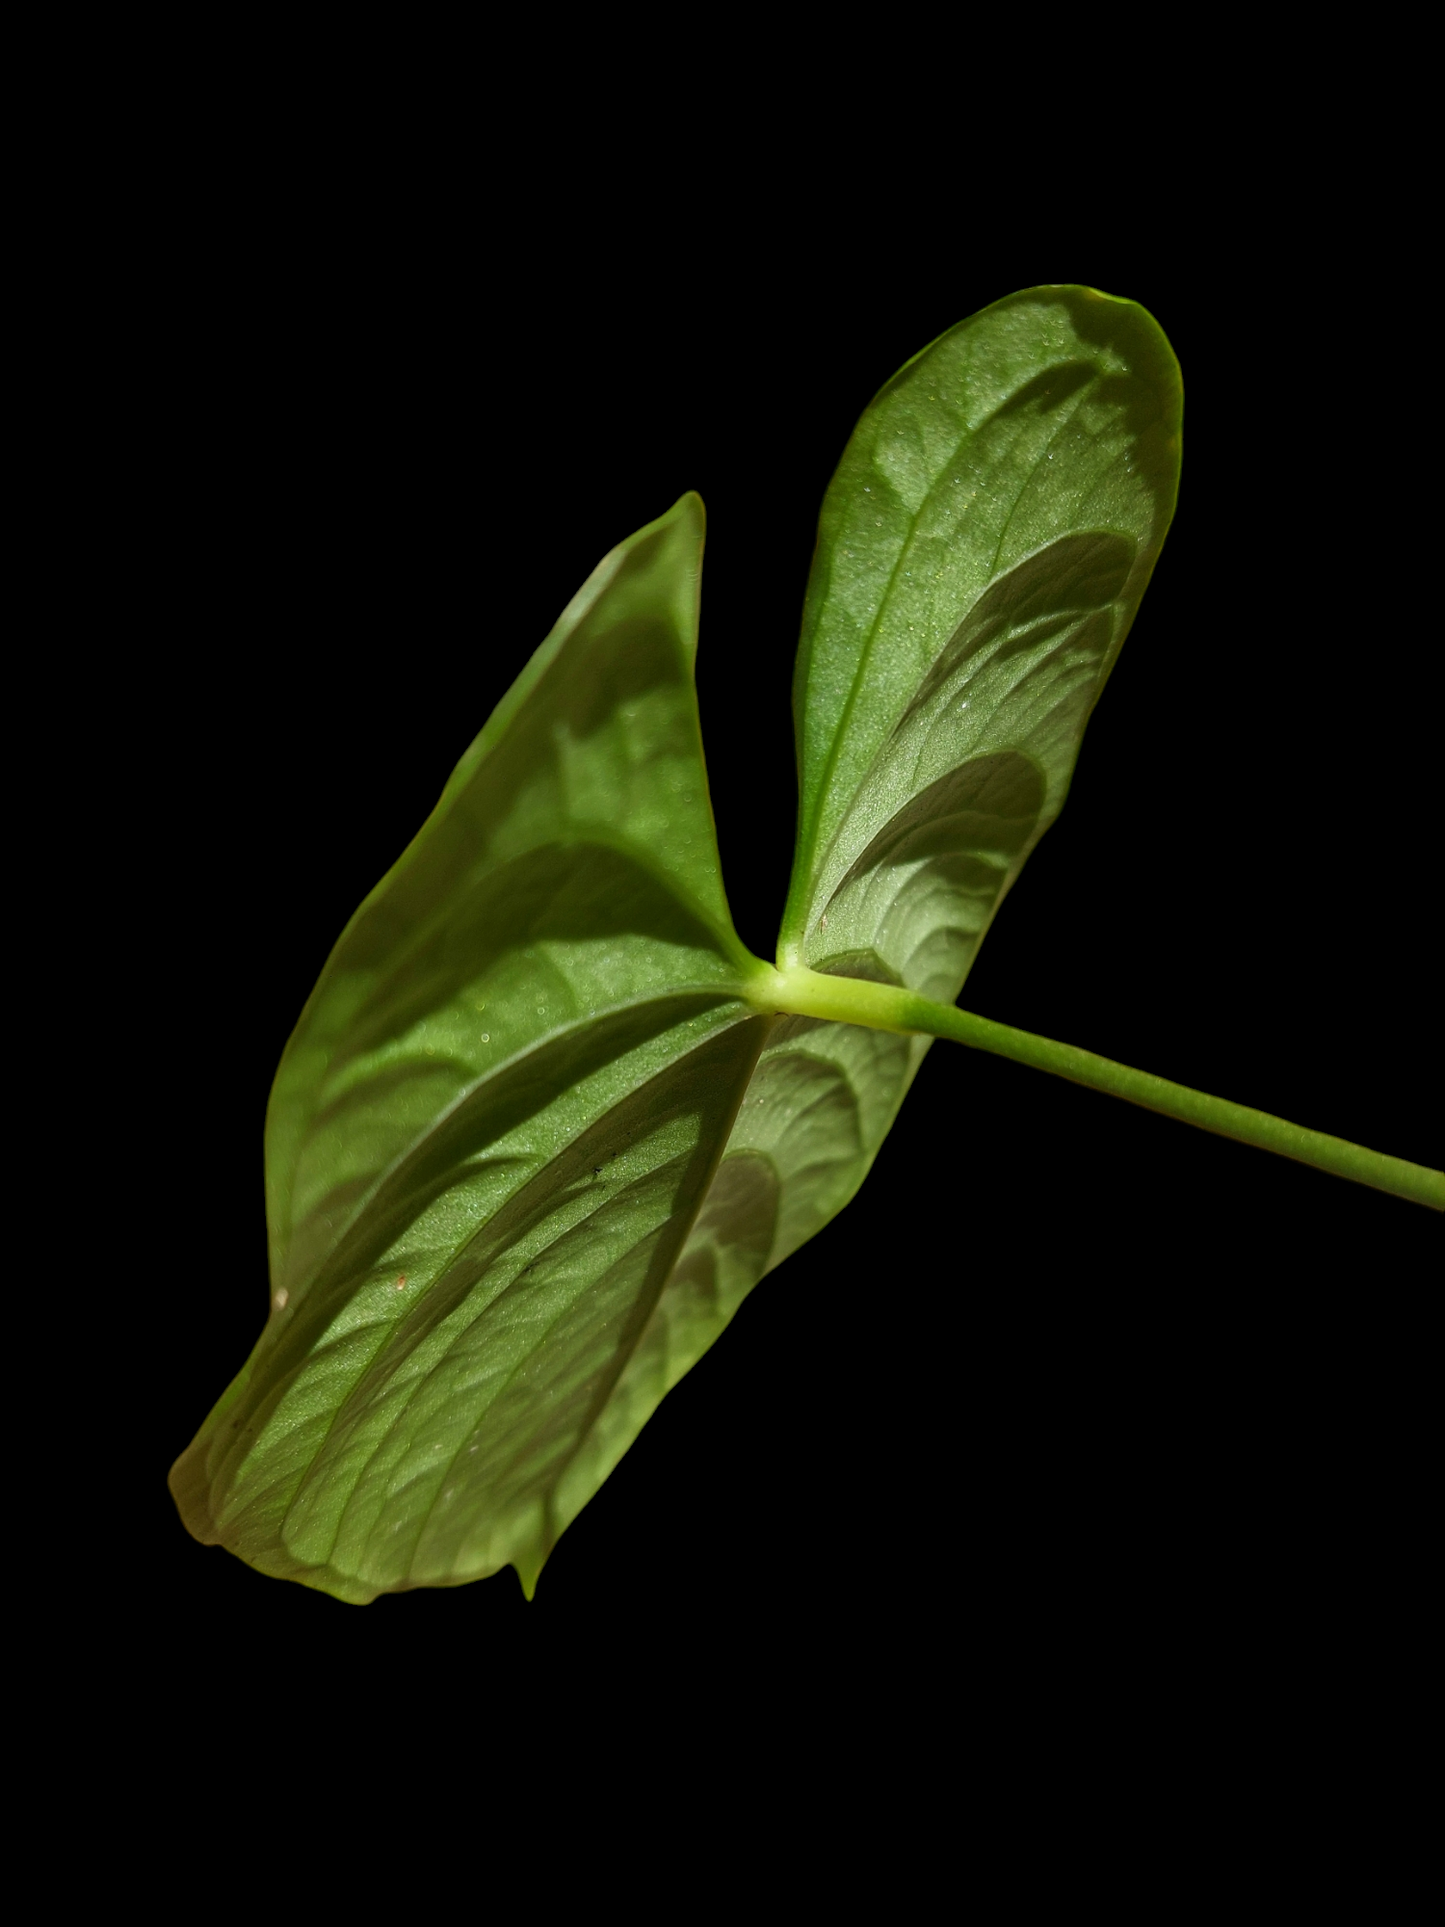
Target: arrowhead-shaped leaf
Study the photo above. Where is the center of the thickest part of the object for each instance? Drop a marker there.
(524, 1160)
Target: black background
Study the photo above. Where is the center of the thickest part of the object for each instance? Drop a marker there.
(1071, 1402)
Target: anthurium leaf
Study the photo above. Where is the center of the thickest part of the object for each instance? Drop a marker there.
(981, 553)
(493, 1125)
(532, 1144)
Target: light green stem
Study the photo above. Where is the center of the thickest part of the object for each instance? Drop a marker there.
(850, 1000)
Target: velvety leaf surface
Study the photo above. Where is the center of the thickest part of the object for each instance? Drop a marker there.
(493, 1125)
(981, 552)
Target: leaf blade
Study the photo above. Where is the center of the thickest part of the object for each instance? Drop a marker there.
(494, 1123)
(1053, 412)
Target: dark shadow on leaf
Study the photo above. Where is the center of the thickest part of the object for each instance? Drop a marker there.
(1037, 598)
(1049, 389)
(740, 1214)
(559, 892)
(989, 804)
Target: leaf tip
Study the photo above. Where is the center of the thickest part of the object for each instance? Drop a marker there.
(528, 1572)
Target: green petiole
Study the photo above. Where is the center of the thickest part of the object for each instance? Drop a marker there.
(801, 992)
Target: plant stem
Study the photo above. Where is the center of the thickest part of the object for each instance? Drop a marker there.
(850, 1000)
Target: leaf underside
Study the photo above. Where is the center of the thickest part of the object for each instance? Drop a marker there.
(529, 1146)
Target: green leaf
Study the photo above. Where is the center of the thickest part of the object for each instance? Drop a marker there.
(981, 553)
(493, 1125)
(532, 1142)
